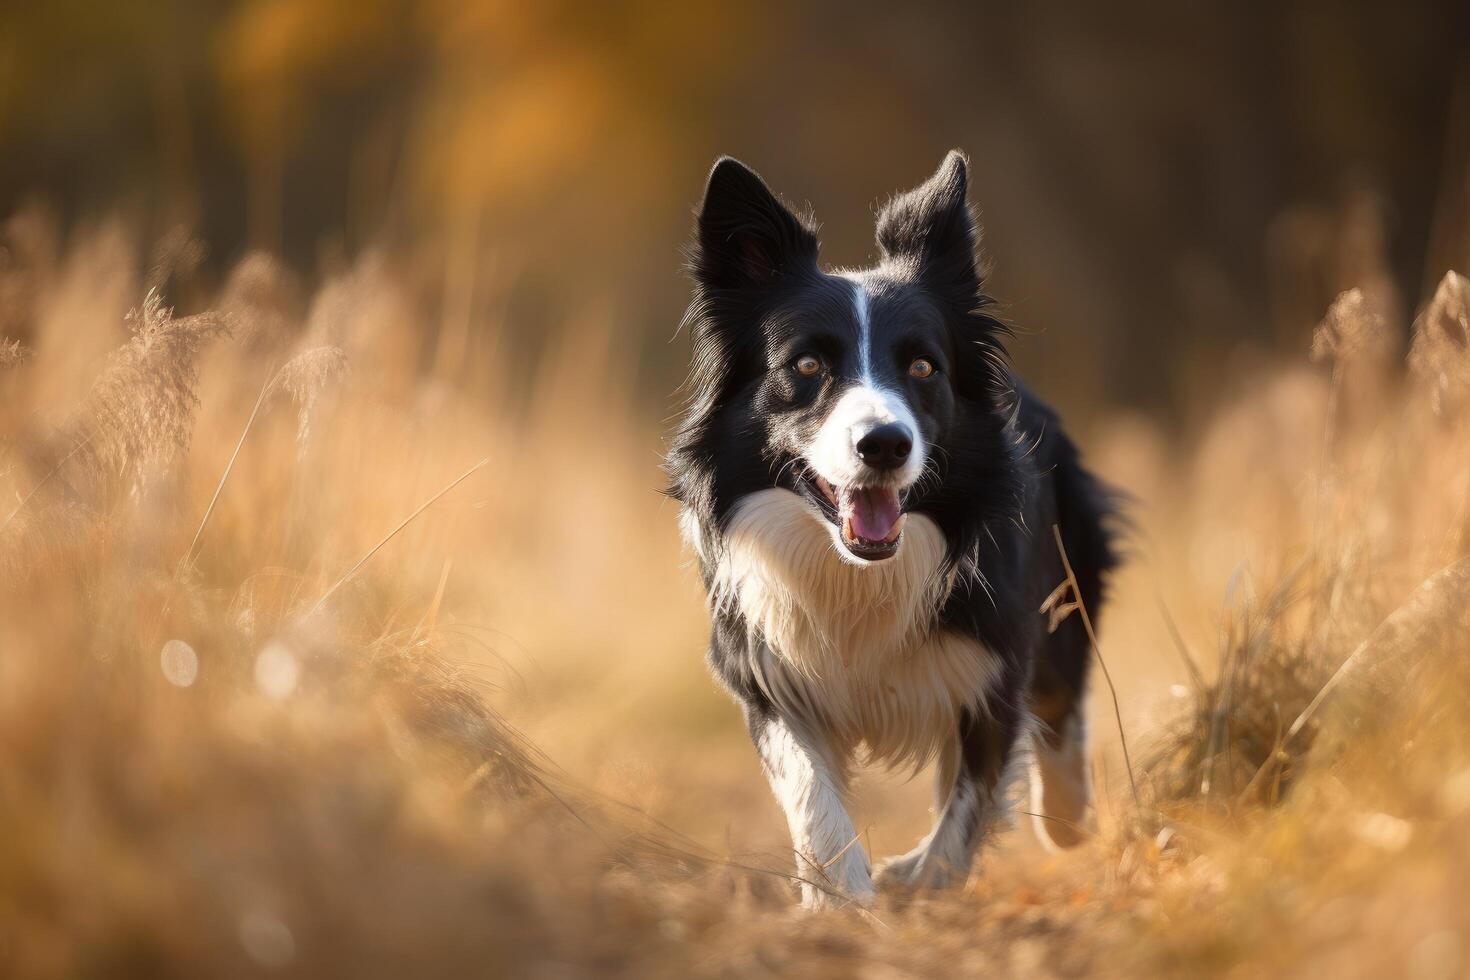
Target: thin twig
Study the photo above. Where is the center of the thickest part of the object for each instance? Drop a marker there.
(44, 480)
(1195, 674)
(1311, 709)
(1085, 831)
(391, 534)
(259, 400)
(431, 616)
(838, 856)
(1322, 694)
(1097, 652)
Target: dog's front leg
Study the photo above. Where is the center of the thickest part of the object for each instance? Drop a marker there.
(810, 781)
(973, 770)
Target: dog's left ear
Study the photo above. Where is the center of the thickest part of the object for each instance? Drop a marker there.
(932, 227)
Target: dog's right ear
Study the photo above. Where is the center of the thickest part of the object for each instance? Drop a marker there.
(746, 236)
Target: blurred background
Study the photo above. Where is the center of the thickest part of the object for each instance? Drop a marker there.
(292, 682)
(1161, 186)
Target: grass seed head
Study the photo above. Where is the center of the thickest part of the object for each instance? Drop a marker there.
(1440, 353)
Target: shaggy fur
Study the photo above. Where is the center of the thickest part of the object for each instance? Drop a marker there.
(870, 492)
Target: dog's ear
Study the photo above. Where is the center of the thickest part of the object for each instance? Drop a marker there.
(932, 227)
(746, 237)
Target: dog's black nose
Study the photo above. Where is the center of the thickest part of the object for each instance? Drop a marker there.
(886, 447)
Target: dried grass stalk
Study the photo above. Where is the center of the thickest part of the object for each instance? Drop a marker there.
(139, 414)
(13, 354)
(304, 377)
(1353, 331)
(1235, 723)
(1440, 354)
(1435, 618)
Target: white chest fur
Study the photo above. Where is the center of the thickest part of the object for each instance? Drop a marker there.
(852, 648)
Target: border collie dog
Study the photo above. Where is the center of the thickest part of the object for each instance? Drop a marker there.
(871, 494)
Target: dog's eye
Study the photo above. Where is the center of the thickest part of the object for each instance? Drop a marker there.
(921, 368)
(808, 364)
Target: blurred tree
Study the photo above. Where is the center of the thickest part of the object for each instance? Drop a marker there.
(1128, 159)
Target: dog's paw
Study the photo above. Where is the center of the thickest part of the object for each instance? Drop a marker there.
(917, 869)
(895, 872)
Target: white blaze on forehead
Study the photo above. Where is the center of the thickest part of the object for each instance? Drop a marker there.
(860, 410)
(865, 329)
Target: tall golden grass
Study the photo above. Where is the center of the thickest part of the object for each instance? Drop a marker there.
(340, 637)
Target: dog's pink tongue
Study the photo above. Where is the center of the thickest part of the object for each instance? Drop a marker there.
(874, 513)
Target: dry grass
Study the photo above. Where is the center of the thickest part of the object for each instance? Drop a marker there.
(263, 710)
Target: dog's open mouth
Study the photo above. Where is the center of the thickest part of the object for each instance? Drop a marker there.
(870, 519)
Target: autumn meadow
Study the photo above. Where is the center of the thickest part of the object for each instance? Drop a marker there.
(345, 629)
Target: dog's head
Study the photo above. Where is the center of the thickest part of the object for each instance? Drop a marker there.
(850, 389)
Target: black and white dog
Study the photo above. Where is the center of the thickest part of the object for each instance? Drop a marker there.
(871, 495)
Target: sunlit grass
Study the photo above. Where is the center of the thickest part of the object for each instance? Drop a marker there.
(339, 637)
